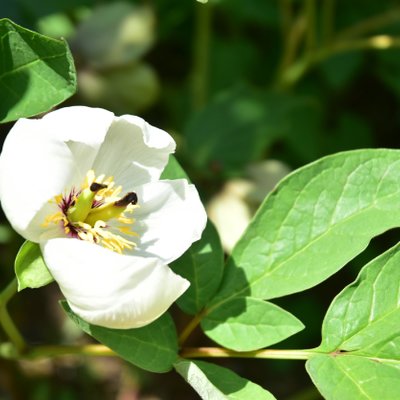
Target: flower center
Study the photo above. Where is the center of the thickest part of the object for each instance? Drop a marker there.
(97, 213)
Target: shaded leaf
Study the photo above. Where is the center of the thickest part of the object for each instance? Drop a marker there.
(153, 347)
(30, 268)
(212, 382)
(36, 72)
(202, 265)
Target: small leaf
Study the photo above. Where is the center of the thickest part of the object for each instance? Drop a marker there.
(30, 268)
(153, 347)
(315, 221)
(351, 377)
(212, 382)
(36, 72)
(202, 265)
(246, 324)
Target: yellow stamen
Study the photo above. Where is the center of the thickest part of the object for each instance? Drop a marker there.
(97, 201)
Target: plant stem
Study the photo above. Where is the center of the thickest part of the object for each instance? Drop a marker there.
(55, 351)
(201, 50)
(327, 20)
(210, 352)
(5, 320)
(294, 73)
(371, 24)
(309, 12)
(190, 327)
(8, 292)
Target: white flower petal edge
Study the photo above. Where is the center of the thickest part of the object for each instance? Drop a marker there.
(110, 289)
(30, 154)
(170, 218)
(133, 152)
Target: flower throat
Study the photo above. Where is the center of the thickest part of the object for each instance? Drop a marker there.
(97, 213)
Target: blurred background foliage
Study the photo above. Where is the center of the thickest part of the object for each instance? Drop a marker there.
(250, 90)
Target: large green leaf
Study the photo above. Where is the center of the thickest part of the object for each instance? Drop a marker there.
(36, 72)
(202, 265)
(354, 378)
(361, 336)
(246, 324)
(212, 382)
(30, 268)
(314, 222)
(153, 347)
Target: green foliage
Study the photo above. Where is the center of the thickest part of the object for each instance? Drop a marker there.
(361, 334)
(239, 125)
(313, 223)
(153, 347)
(36, 72)
(30, 268)
(202, 265)
(245, 324)
(213, 382)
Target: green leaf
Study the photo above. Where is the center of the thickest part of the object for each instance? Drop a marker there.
(314, 222)
(361, 333)
(246, 324)
(153, 347)
(238, 126)
(202, 265)
(36, 72)
(212, 382)
(365, 317)
(352, 377)
(30, 268)
(173, 170)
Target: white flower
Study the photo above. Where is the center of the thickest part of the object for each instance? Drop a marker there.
(85, 185)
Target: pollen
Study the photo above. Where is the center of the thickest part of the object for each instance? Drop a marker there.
(96, 212)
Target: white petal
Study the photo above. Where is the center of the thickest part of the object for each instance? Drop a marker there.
(169, 219)
(42, 158)
(110, 289)
(133, 152)
(83, 129)
(33, 169)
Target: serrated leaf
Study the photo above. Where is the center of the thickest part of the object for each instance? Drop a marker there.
(36, 72)
(202, 265)
(314, 222)
(30, 268)
(153, 347)
(212, 382)
(246, 324)
(352, 377)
